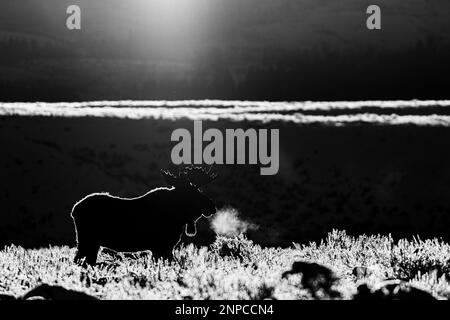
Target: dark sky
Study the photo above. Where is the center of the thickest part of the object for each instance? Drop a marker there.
(230, 49)
(186, 26)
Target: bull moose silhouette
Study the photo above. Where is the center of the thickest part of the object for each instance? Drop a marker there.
(152, 221)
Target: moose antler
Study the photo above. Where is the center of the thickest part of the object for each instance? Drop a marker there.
(198, 176)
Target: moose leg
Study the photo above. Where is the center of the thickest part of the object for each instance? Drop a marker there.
(87, 252)
(91, 257)
(165, 253)
(87, 248)
(87, 242)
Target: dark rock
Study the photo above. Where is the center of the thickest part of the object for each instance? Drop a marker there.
(6, 297)
(393, 290)
(49, 292)
(315, 277)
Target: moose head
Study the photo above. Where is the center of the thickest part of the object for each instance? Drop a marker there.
(186, 184)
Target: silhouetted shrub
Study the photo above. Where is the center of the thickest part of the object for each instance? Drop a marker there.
(238, 247)
(418, 257)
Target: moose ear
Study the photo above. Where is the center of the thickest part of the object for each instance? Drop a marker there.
(173, 180)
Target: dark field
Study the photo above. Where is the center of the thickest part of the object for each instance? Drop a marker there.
(364, 178)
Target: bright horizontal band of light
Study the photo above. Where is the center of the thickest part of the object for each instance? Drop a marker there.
(248, 105)
(215, 110)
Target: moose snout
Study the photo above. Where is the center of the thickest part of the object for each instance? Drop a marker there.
(208, 213)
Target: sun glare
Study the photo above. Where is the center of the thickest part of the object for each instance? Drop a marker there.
(180, 26)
